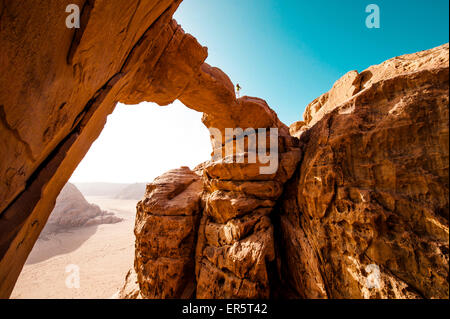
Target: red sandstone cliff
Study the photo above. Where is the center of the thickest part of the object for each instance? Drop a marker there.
(365, 215)
(362, 186)
(57, 87)
(373, 185)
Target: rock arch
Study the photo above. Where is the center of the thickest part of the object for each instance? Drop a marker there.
(371, 186)
(54, 108)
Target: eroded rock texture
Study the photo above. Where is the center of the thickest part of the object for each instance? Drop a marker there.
(234, 241)
(166, 232)
(365, 215)
(58, 86)
(372, 188)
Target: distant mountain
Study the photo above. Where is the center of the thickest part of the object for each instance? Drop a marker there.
(132, 191)
(72, 210)
(101, 189)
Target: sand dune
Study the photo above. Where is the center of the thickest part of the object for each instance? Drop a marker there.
(103, 253)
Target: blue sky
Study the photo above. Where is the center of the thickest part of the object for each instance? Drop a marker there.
(287, 52)
(290, 52)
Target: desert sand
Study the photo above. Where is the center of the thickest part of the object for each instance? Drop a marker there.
(103, 253)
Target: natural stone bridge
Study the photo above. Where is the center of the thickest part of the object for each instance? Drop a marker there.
(367, 182)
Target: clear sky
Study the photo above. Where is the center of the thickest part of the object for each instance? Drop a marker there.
(289, 52)
(286, 51)
(141, 142)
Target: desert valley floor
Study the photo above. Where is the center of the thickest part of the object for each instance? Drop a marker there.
(104, 254)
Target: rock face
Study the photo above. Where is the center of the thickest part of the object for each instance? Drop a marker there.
(235, 238)
(54, 102)
(130, 289)
(166, 231)
(365, 215)
(233, 243)
(236, 241)
(72, 210)
(370, 197)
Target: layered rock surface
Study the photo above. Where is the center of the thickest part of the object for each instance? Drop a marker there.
(234, 241)
(54, 102)
(365, 215)
(371, 189)
(370, 198)
(166, 232)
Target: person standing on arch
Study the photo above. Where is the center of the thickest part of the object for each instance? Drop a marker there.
(238, 90)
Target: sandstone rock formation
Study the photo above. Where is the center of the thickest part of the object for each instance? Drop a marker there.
(353, 82)
(235, 237)
(57, 87)
(233, 243)
(364, 216)
(130, 289)
(72, 211)
(370, 192)
(372, 189)
(166, 231)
